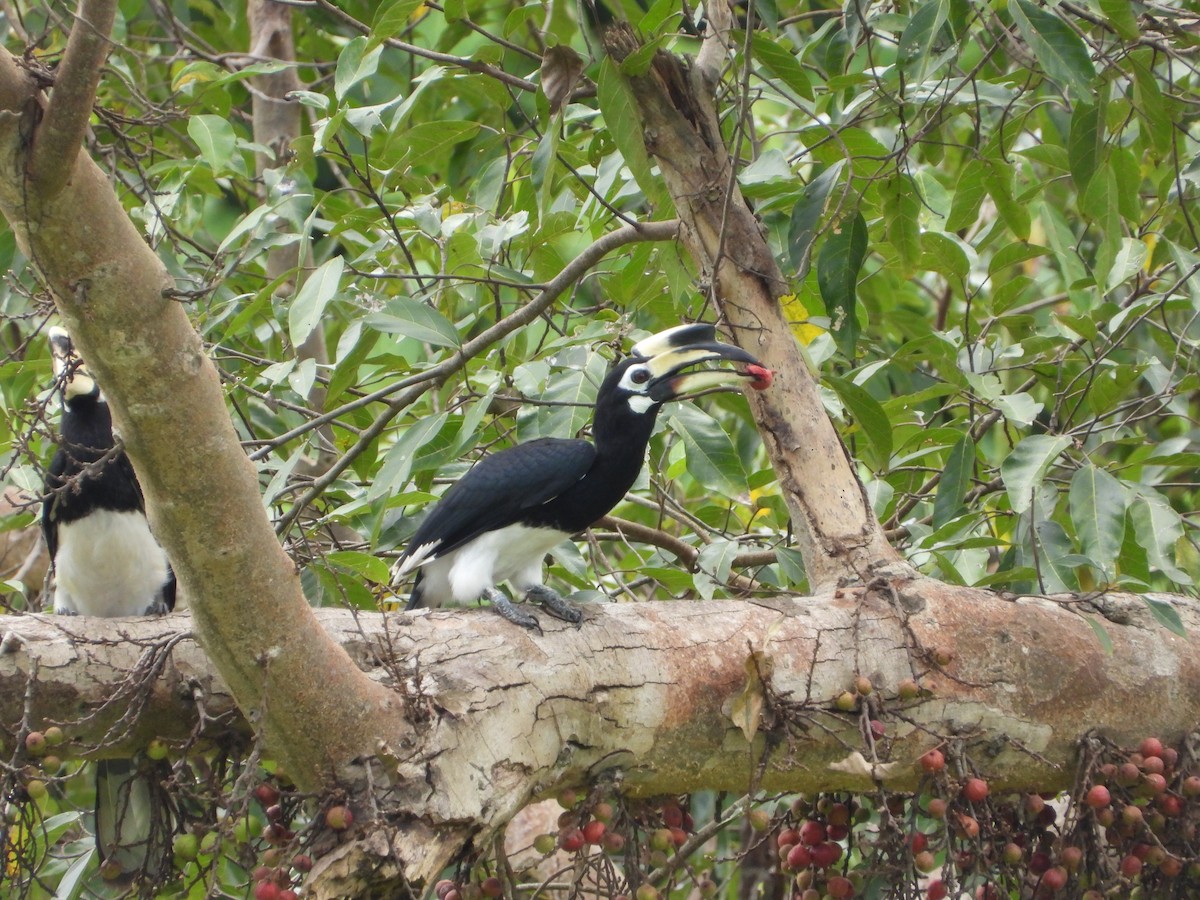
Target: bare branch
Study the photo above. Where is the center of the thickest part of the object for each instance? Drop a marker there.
(62, 130)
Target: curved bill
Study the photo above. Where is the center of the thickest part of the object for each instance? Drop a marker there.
(672, 356)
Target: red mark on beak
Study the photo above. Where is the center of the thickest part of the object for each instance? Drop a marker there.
(762, 377)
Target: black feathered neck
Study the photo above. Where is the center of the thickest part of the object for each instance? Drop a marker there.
(88, 471)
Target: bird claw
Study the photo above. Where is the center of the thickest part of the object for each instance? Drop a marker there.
(505, 607)
(554, 604)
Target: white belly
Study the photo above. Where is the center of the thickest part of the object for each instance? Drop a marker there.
(514, 554)
(108, 564)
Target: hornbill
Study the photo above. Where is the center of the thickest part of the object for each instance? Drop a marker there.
(501, 519)
(106, 562)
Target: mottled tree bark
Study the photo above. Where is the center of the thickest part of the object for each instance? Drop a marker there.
(664, 695)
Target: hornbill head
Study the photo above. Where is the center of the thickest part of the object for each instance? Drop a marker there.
(70, 374)
(658, 368)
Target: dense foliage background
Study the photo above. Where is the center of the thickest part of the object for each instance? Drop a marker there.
(987, 212)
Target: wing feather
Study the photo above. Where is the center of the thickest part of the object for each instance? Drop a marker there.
(496, 492)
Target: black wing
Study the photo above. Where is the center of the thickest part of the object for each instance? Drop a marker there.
(500, 488)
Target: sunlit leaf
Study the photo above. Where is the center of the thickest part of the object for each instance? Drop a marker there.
(1025, 468)
(1057, 47)
(310, 301)
(397, 464)
(1157, 528)
(358, 60)
(711, 457)
(215, 139)
(414, 320)
(1098, 502)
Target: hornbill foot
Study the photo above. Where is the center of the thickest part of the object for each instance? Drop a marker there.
(554, 604)
(504, 606)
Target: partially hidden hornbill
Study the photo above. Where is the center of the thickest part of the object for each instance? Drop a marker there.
(501, 519)
(106, 562)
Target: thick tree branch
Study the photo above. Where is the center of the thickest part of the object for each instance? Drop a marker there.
(660, 693)
(64, 125)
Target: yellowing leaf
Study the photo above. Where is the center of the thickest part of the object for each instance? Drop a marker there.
(796, 313)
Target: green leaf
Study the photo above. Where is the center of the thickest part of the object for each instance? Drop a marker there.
(1058, 49)
(838, 266)
(1157, 528)
(901, 209)
(415, 320)
(780, 62)
(1020, 408)
(717, 558)
(1014, 254)
(871, 419)
(1167, 615)
(1121, 17)
(807, 215)
(968, 196)
(998, 179)
(1128, 173)
(943, 254)
(621, 117)
(919, 37)
(1098, 503)
(1099, 203)
(791, 566)
(1127, 263)
(358, 60)
(1085, 143)
(425, 141)
(955, 482)
(309, 303)
(215, 139)
(397, 465)
(1025, 468)
(391, 19)
(638, 62)
(356, 562)
(1151, 106)
(1102, 635)
(710, 455)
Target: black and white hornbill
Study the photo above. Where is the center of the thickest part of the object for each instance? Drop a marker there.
(106, 562)
(501, 519)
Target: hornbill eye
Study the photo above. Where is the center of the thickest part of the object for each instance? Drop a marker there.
(639, 376)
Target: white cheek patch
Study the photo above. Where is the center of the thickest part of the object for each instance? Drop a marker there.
(640, 403)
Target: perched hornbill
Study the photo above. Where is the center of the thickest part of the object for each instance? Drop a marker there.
(501, 519)
(106, 563)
